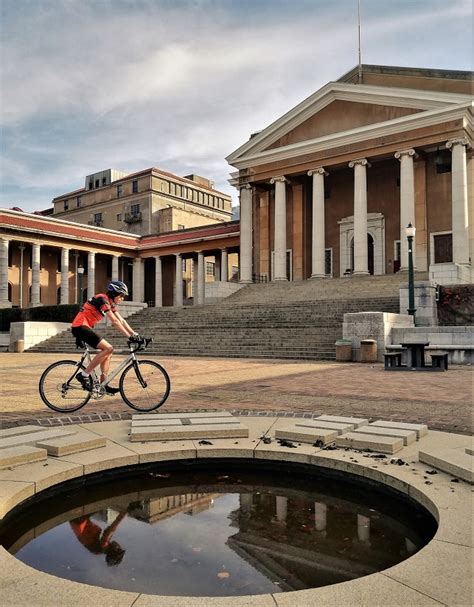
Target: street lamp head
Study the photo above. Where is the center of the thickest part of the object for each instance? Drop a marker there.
(80, 270)
(410, 231)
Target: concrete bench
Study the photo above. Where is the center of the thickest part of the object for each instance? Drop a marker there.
(440, 360)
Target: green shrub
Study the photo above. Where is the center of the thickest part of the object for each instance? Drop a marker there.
(64, 313)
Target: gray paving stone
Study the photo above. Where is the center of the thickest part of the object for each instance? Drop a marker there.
(153, 433)
(66, 445)
(33, 437)
(19, 430)
(420, 429)
(16, 456)
(452, 461)
(359, 440)
(357, 422)
(408, 436)
(306, 434)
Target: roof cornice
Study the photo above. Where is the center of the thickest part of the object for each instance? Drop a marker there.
(378, 95)
(398, 125)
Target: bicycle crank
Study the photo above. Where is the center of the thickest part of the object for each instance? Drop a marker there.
(97, 391)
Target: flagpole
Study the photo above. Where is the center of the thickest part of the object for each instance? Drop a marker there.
(360, 60)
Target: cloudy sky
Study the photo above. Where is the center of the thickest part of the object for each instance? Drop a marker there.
(179, 84)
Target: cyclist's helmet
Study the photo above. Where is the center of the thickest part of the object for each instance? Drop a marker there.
(117, 287)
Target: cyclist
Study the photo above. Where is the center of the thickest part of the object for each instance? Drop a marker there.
(95, 308)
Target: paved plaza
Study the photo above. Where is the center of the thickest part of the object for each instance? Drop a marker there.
(441, 400)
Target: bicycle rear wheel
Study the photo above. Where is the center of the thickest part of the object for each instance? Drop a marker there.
(145, 385)
(59, 388)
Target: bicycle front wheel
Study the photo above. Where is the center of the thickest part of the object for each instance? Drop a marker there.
(59, 388)
(145, 385)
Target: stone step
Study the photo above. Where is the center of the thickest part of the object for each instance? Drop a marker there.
(408, 436)
(361, 441)
(57, 447)
(33, 437)
(152, 416)
(18, 456)
(419, 429)
(306, 434)
(455, 462)
(356, 422)
(183, 426)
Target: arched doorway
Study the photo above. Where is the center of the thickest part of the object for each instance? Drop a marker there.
(370, 254)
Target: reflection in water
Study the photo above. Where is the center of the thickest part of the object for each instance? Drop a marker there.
(224, 538)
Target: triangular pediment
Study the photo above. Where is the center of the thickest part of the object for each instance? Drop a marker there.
(340, 116)
(343, 108)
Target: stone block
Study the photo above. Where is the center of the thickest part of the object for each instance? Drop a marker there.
(33, 437)
(359, 440)
(16, 456)
(66, 445)
(19, 430)
(469, 451)
(306, 434)
(356, 422)
(338, 427)
(153, 433)
(419, 429)
(455, 462)
(408, 436)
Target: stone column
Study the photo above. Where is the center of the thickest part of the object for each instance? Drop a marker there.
(138, 286)
(115, 267)
(360, 215)
(279, 256)
(459, 200)
(407, 202)
(64, 296)
(363, 528)
(201, 279)
(217, 268)
(195, 280)
(318, 232)
(281, 508)
(4, 301)
(35, 275)
(320, 516)
(90, 274)
(158, 282)
(22, 273)
(224, 266)
(246, 234)
(178, 295)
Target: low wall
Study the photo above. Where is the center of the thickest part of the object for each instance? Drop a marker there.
(4, 340)
(215, 291)
(372, 325)
(426, 314)
(33, 333)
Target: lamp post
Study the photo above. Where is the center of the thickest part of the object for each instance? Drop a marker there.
(80, 274)
(410, 234)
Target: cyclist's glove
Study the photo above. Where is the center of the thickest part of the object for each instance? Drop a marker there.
(135, 339)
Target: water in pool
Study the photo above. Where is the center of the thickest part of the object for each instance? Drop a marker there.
(217, 533)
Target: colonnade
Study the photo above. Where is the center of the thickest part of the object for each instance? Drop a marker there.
(460, 215)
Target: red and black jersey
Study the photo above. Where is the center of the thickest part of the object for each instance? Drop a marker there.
(94, 310)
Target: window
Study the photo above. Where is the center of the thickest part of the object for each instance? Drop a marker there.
(190, 194)
(104, 180)
(210, 267)
(97, 183)
(135, 186)
(443, 161)
(66, 205)
(443, 248)
(78, 201)
(91, 185)
(172, 188)
(181, 226)
(119, 216)
(119, 191)
(97, 217)
(328, 262)
(135, 209)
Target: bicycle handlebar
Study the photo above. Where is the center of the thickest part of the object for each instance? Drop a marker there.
(142, 344)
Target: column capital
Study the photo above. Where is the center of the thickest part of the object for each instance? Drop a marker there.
(245, 186)
(319, 171)
(178, 254)
(223, 248)
(458, 141)
(361, 161)
(409, 152)
(281, 178)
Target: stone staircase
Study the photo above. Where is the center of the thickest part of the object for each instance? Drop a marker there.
(285, 321)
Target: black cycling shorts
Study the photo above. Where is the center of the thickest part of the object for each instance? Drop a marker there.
(86, 334)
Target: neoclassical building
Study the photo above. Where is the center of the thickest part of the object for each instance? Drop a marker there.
(328, 189)
(48, 261)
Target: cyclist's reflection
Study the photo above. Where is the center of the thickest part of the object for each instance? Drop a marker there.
(97, 540)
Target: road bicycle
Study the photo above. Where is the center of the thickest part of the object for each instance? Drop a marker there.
(144, 384)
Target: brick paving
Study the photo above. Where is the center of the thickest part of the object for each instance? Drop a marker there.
(263, 387)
